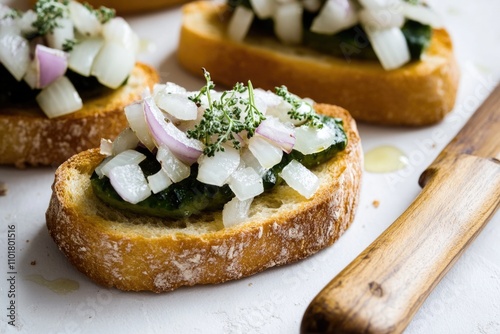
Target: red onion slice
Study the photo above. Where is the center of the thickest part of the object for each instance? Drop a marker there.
(279, 133)
(52, 64)
(165, 133)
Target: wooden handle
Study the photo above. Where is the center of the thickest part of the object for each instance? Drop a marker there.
(380, 291)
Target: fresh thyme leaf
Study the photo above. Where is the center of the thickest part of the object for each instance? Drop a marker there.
(13, 14)
(309, 116)
(48, 12)
(69, 44)
(223, 119)
(104, 14)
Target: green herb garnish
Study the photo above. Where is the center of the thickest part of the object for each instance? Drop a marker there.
(13, 14)
(309, 116)
(48, 12)
(69, 44)
(225, 117)
(104, 14)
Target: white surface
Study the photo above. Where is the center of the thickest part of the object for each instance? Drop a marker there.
(466, 301)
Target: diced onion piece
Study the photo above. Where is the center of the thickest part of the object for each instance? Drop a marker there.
(311, 5)
(422, 14)
(113, 64)
(126, 140)
(129, 182)
(98, 169)
(137, 122)
(14, 53)
(83, 54)
(251, 161)
(264, 9)
(106, 147)
(216, 169)
(62, 33)
(246, 183)
(119, 31)
(240, 23)
(311, 140)
(288, 22)
(335, 16)
(128, 157)
(377, 4)
(159, 181)
(52, 64)
(266, 153)
(86, 23)
(175, 169)
(300, 179)
(167, 134)
(279, 133)
(25, 23)
(382, 18)
(390, 46)
(177, 105)
(59, 98)
(168, 87)
(235, 211)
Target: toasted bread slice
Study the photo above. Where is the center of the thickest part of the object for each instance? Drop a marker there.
(419, 93)
(132, 252)
(28, 137)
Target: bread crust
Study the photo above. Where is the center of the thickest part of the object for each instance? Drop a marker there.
(419, 93)
(28, 137)
(136, 253)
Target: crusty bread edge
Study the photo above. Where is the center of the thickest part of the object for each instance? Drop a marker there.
(130, 261)
(419, 93)
(28, 137)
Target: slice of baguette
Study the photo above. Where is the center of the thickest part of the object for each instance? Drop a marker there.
(132, 252)
(419, 93)
(28, 137)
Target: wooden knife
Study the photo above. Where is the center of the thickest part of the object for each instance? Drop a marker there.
(382, 289)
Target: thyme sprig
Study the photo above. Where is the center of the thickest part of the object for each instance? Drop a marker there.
(225, 117)
(103, 14)
(48, 12)
(308, 116)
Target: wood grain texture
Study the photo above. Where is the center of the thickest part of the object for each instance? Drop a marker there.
(381, 290)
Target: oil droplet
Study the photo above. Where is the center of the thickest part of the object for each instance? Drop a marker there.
(385, 159)
(60, 286)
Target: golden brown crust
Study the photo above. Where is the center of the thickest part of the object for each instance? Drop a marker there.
(145, 253)
(28, 137)
(418, 93)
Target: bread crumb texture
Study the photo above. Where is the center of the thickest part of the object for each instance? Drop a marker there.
(132, 252)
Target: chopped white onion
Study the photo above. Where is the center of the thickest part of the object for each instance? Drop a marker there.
(14, 53)
(377, 4)
(382, 18)
(98, 169)
(311, 140)
(126, 140)
(281, 134)
(86, 23)
(300, 178)
(288, 22)
(311, 5)
(240, 23)
(216, 169)
(59, 98)
(25, 23)
(128, 157)
(168, 87)
(246, 183)
(83, 54)
(167, 134)
(129, 182)
(235, 211)
(106, 147)
(137, 122)
(117, 30)
(113, 64)
(62, 33)
(250, 160)
(266, 153)
(159, 181)
(422, 14)
(51, 65)
(264, 9)
(335, 16)
(177, 105)
(175, 169)
(390, 46)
